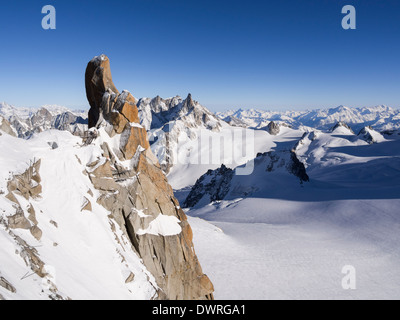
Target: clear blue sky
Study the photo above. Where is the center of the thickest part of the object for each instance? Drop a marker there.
(268, 54)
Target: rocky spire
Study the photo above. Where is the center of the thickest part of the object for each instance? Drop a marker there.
(98, 81)
(139, 197)
(189, 99)
(188, 103)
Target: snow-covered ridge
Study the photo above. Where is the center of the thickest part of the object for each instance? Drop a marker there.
(175, 121)
(157, 112)
(78, 247)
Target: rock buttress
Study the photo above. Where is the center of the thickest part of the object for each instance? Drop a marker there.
(139, 196)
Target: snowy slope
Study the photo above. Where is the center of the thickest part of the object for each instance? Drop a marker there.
(282, 240)
(211, 149)
(347, 166)
(84, 252)
(277, 249)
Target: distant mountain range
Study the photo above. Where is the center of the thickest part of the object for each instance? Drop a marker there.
(381, 118)
(156, 113)
(28, 121)
(175, 127)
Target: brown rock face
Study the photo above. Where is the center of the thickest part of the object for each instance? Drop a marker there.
(98, 80)
(6, 127)
(273, 128)
(140, 197)
(28, 185)
(6, 285)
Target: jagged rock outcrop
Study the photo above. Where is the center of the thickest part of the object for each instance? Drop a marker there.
(5, 126)
(169, 120)
(214, 183)
(41, 118)
(28, 186)
(297, 168)
(71, 122)
(157, 112)
(138, 195)
(7, 285)
(99, 86)
(31, 258)
(273, 128)
(270, 169)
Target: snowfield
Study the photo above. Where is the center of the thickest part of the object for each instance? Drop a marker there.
(285, 240)
(278, 249)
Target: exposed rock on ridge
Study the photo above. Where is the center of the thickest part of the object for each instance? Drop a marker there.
(273, 128)
(27, 186)
(269, 169)
(369, 135)
(138, 195)
(6, 127)
(214, 183)
(341, 124)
